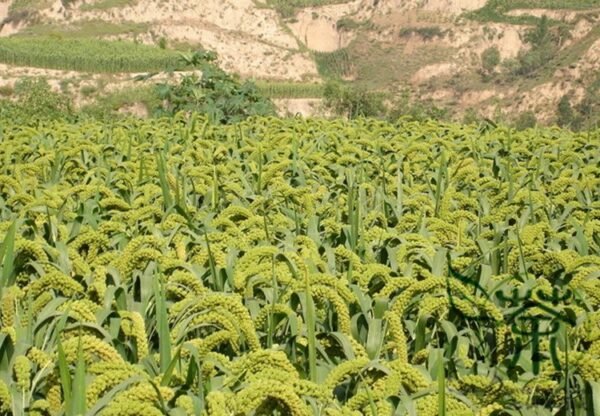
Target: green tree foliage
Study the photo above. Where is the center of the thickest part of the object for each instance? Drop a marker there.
(490, 58)
(544, 44)
(352, 101)
(582, 116)
(540, 34)
(564, 112)
(215, 93)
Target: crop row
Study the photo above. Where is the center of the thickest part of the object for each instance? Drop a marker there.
(90, 55)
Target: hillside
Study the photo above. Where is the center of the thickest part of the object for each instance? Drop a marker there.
(432, 48)
(425, 242)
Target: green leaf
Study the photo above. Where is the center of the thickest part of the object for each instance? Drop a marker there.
(420, 332)
(592, 395)
(162, 326)
(168, 374)
(65, 376)
(374, 338)
(441, 378)
(78, 396)
(7, 253)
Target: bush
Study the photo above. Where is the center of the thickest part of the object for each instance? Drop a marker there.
(582, 116)
(531, 61)
(564, 112)
(88, 90)
(285, 10)
(526, 120)
(347, 24)
(471, 116)
(352, 101)
(543, 48)
(6, 90)
(490, 59)
(416, 110)
(427, 32)
(35, 99)
(215, 93)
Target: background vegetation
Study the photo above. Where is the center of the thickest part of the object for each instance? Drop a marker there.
(83, 54)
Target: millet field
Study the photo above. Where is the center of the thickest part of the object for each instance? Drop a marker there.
(173, 266)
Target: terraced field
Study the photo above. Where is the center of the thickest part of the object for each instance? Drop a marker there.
(298, 267)
(91, 55)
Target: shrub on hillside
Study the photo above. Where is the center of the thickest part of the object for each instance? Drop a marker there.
(490, 59)
(526, 120)
(215, 93)
(544, 44)
(351, 101)
(34, 99)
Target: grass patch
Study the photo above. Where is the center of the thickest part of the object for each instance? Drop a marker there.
(347, 24)
(106, 106)
(88, 90)
(272, 89)
(106, 4)
(553, 4)
(495, 10)
(379, 66)
(20, 5)
(6, 90)
(90, 55)
(335, 64)
(288, 8)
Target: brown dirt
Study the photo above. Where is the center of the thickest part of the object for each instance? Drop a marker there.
(7, 29)
(316, 27)
(306, 107)
(432, 71)
(320, 33)
(137, 110)
(4, 5)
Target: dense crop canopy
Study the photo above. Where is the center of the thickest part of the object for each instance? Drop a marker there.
(297, 267)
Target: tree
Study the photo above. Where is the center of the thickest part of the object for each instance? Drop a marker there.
(540, 34)
(215, 93)
(543, 48)
(587, 109)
